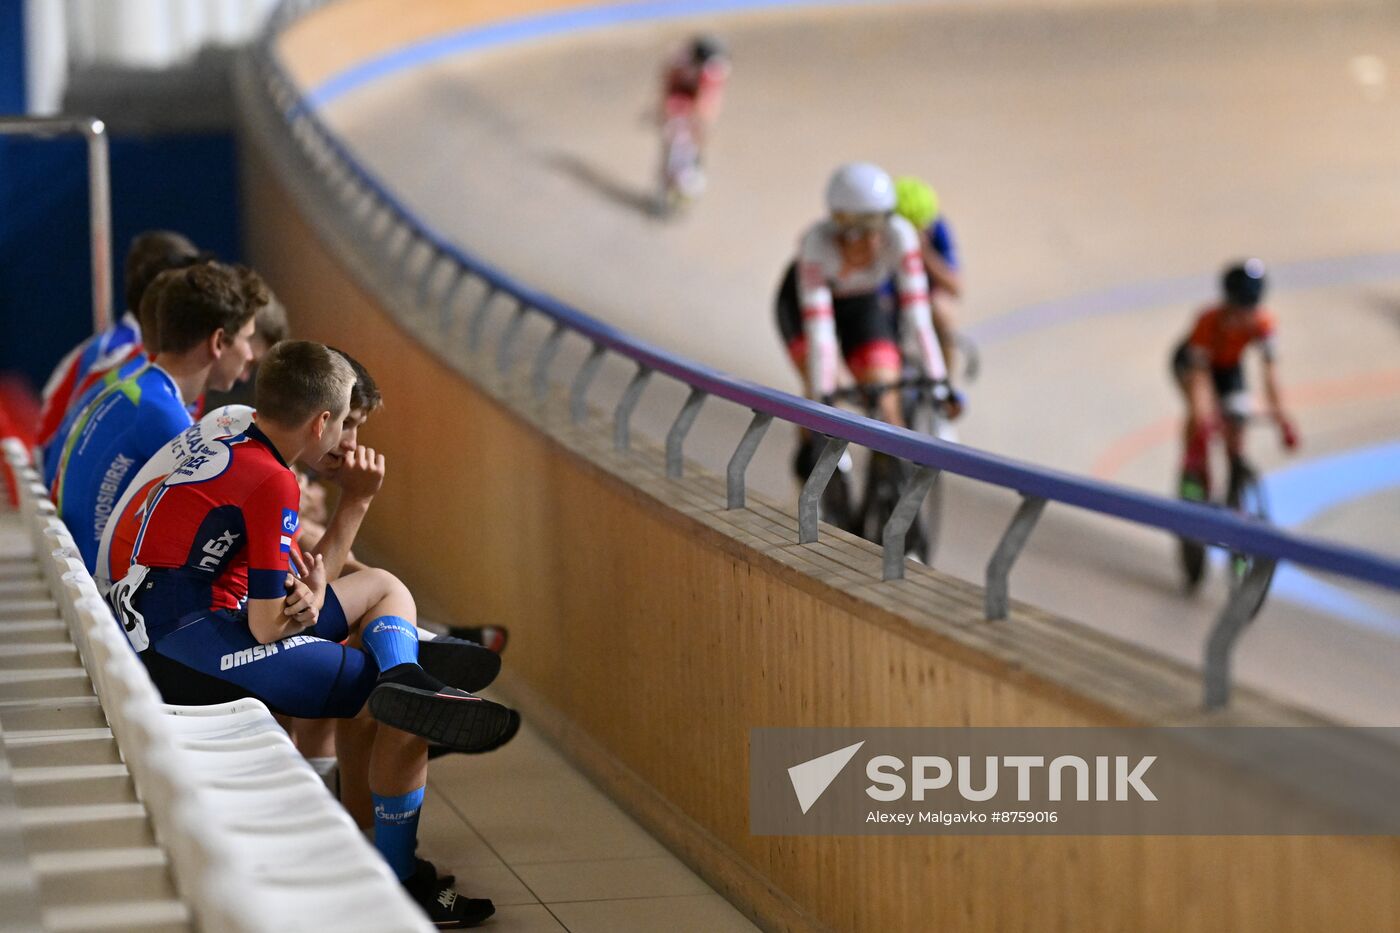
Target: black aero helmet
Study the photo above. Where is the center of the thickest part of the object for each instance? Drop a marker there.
(705, 47)
(1244, 283)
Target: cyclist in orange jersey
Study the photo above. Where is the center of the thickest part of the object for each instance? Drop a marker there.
(1208, 367)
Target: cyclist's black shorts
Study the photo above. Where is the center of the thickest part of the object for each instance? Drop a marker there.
(1228, 380)
(860, 319)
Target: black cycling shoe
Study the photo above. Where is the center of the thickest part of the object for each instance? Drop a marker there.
(437, 751)
(444, 716)
(458, 663)
(488, 636)
(446, 881)
(446, 909)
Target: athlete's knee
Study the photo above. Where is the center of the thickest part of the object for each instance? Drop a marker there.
(385, 586)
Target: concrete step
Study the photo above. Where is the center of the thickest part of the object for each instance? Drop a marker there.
(44, 683)
(88, 750)
(24, 609)
(158, 916)
(103, 881)
(35, 655)
(33, 716)
(116, 826)
(17, 632)
(79, 786)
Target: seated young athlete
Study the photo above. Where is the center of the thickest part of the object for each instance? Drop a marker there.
(358, 471)
(1207, 367)
(214, 614)
(150, 254)
(205, 327)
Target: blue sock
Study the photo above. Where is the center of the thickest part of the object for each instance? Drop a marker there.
(391, 641)
(396, 829)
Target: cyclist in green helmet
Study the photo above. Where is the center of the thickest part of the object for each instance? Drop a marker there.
(917, 202)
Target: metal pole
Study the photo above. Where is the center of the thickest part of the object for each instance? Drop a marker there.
(897, 527)
(809, 501)
(737, 490)
(675, 438)
(539, 373)
(94, 132)
(622, 415)
(1234, 619)
(100, 224)
(578, 392)
(998, 596)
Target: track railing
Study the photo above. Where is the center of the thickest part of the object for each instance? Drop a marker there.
(424, 264)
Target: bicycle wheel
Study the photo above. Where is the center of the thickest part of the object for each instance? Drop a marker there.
(1247, 497)
(1192, 553)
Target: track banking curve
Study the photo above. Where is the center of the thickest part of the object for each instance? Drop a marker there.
(509, 119)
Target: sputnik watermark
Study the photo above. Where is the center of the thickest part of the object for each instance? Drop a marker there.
(1074, 781)
(1113, 778)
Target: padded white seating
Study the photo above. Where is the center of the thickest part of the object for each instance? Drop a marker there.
(256, 843)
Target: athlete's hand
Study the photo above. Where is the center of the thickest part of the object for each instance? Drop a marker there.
(953, 405)
(1288, 433)
(306, 590)
(361, 475)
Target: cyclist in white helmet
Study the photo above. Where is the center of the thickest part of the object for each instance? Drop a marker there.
(832, 295)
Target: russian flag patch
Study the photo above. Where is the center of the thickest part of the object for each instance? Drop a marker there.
(285, 545)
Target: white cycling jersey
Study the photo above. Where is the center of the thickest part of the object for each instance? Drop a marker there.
(197, 438)
(822, 274)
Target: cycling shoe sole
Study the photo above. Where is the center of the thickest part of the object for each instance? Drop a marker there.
(467, 724)
(457, 663)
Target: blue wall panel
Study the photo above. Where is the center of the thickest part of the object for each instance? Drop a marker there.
(180, 182)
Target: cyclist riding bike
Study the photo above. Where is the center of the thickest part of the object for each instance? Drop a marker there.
(833, 296)
(1208, 369)
(692, 88)
(917, 202)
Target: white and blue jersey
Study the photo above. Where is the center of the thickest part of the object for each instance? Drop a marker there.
(111, 439)
(50, 453)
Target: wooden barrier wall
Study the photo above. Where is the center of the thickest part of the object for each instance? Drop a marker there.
(651, 629)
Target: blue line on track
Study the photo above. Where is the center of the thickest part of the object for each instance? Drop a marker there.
(525, 29)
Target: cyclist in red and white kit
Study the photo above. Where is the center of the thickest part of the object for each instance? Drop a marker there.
(692, 88)
(832, 296)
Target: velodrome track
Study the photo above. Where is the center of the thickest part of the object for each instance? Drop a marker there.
(1098, 168)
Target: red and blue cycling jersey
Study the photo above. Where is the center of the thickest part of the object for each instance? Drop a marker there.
(73, 373)
(111, 440)
(218, 531)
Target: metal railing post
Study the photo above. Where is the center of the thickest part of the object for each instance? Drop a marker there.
(622, 415)
(735, 473)
(478, 318)
(1234, 619)
(675, 438)
(897, 528)
(998, 590)
(578, 392)
(504, 358)
(809, 501)
(539, 372)
(449, 295)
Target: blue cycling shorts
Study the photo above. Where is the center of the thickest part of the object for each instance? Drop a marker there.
(212, 657)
